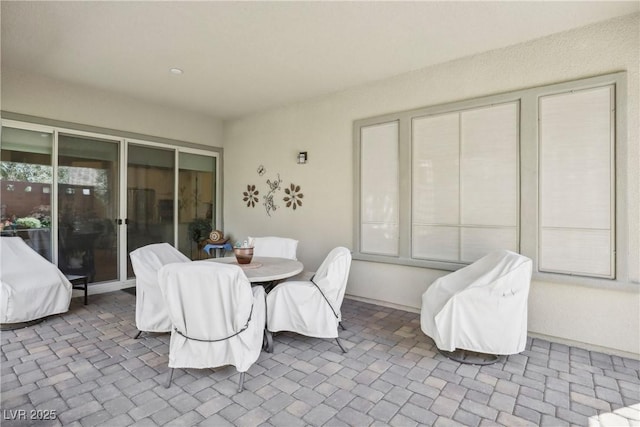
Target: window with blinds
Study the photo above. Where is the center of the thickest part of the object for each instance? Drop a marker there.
(379, 189)
(465, 183)
(576, 182)
(531, 171)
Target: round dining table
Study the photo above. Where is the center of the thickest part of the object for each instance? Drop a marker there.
(265, 269)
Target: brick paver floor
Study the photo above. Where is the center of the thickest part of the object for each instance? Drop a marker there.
(84, 368)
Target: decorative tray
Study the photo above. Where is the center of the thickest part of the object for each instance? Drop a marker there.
(249, 266)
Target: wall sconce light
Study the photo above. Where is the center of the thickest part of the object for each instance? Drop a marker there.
(302, 157)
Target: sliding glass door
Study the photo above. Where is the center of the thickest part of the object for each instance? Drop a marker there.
(88, 206)
(26, 181)
(150, 196)
(84, 200)
(196, 202)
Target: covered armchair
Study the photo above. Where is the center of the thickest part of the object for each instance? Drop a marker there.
(311, 308)
(481, 307)
(218, 318)
(151, 312)
(32, 287)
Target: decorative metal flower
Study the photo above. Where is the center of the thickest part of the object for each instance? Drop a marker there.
(251, 196)
(293, 197)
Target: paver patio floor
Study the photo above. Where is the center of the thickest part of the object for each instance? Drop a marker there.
(85, 369)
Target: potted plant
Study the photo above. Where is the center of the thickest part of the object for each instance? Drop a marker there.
(28, 222)
(199, 229)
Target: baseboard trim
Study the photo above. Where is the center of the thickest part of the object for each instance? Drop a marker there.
(585, 346)
(384, 303)
(103, 288)
(553, 339)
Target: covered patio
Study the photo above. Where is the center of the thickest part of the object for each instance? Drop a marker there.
(418, 135)
(85, 369)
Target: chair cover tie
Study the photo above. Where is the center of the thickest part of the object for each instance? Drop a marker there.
(325, 298)
(219, 339)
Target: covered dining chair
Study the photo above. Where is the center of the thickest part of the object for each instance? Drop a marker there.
(218, 319)
(480, 308)
(280, 247)
(32, 287)
(151, 311)
(311, 308)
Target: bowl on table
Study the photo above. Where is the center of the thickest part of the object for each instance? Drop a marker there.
(243, 255)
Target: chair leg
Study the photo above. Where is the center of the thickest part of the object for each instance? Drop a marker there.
(340, 344)
(342, 326)
(241, 382)
(169, 377)
(269, 341)
(137, 335)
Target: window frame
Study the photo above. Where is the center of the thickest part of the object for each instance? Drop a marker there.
(528, 167)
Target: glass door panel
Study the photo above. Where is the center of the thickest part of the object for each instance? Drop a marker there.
(150, 196)
(26, 181)
(88, 194)
(196, 202)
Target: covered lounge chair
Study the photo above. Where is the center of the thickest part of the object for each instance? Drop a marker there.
(32, 287)
(480, 308)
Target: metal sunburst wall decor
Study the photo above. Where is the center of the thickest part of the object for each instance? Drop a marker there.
(293, 199)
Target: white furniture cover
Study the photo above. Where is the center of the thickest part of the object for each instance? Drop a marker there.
(301, 307)
(213, 305)
(151, 312)
(280, 247)
(32, 287)
(481, 307)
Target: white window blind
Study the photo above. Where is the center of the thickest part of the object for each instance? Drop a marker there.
(576, 186)
(436, 187)
(379, 189)
(465, 183)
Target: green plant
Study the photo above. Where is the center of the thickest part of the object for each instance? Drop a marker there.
(28, 222)
(199, 229)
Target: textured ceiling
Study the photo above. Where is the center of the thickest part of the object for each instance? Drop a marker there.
(243, 57)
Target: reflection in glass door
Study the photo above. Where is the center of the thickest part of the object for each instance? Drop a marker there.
(26, 180)
(150, 196)
(196, 202)
(88, 184)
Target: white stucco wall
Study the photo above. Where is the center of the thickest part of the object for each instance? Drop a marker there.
(57, 100)
(596, 316)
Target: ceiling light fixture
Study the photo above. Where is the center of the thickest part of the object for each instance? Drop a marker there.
(176, 71)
